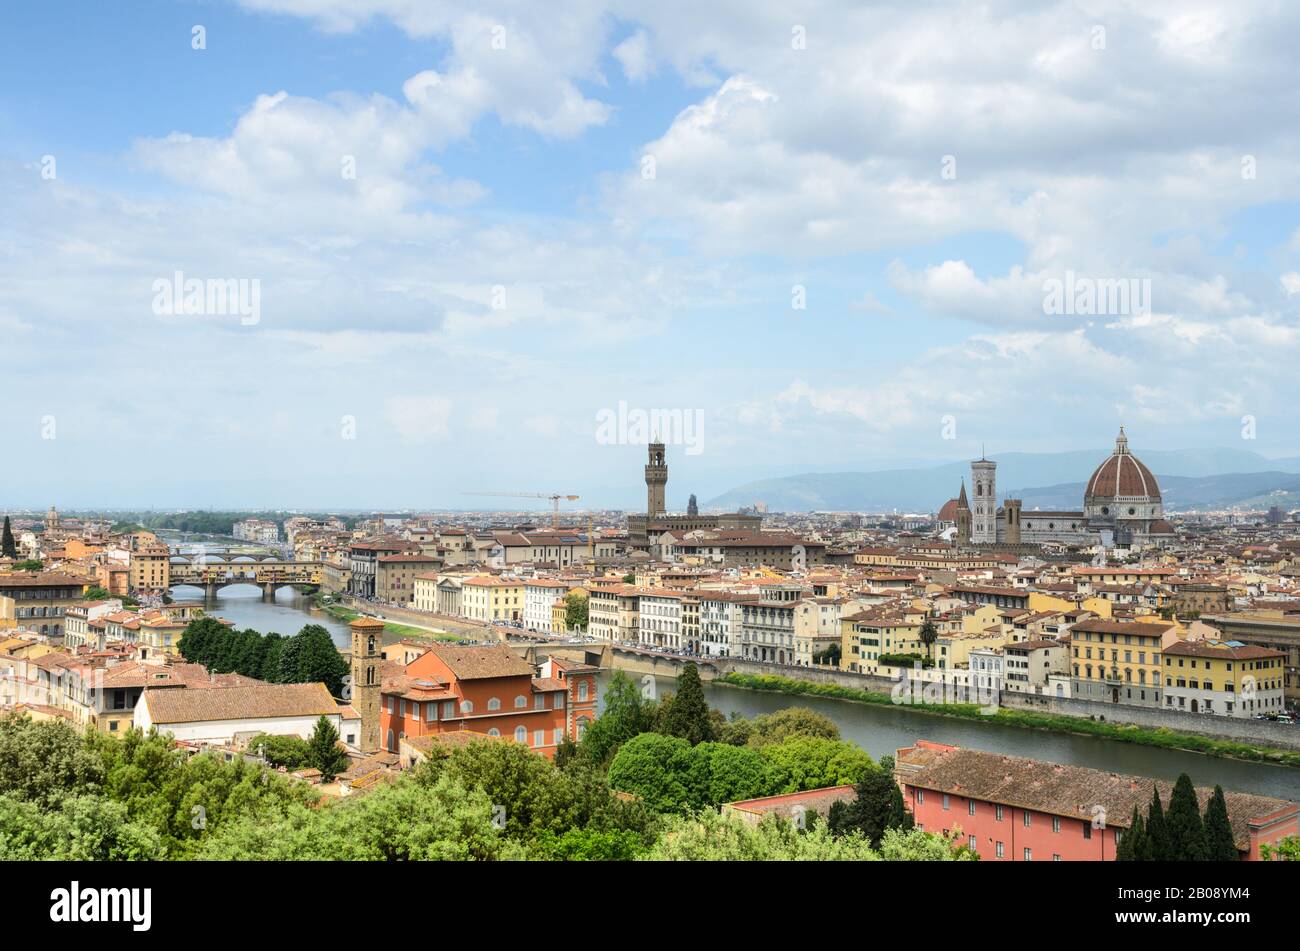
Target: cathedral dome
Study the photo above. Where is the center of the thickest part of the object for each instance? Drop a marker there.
(1122, 476)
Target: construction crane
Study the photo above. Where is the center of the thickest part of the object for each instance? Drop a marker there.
(553, 496)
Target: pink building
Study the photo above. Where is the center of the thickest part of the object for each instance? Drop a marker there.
(1012, 809)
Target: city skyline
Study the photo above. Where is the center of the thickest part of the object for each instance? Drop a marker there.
(472, 235)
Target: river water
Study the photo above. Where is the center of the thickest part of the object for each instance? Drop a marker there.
(877, 729)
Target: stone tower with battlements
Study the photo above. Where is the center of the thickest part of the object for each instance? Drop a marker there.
(656, 477)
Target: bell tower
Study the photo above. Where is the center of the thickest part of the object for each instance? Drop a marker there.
(984, 501)
(367, 678)
(656, 477)
(963, 517)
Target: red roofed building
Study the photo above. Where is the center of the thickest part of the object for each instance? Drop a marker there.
(1012, 809)
(488, 690)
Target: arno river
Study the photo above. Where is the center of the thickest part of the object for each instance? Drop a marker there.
(877, 729)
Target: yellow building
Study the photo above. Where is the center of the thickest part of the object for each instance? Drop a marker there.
(150, 568)
(1120, 661)
(863, 639)
(1225, 680)
(485, 598)
(953, 650)
(161, 635)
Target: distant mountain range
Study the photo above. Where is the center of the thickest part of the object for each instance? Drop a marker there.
(1190, 480)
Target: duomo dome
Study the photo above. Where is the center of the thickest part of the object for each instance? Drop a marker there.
(1122, 489)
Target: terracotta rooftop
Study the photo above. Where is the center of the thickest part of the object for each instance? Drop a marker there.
(478, 663)
(1061, 790)
(239, 703)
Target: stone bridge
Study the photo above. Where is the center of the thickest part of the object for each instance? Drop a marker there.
(213, 573)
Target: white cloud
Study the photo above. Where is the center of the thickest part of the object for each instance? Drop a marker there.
(419, 418)
(634, 55)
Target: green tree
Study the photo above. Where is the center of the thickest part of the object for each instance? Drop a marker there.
(324, 751)
(626, 714)
(654, 767)
(778, 727)
(317, 659)
(810, 762)
(291, 752)
(688, 713)
(535, 796)
(928, 635)
(1157, 831)
(575, 612)
(201, 639)
(1285, 850)
(29, 564)
(1133, 844)
(1219, 843)
(709, 836)
(44, 762)
(1183, 823)
(402, 821)
(877, 806)
(81, 828)
(8, 547)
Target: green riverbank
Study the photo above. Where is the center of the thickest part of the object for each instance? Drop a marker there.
(1144, 736)
(398, 631)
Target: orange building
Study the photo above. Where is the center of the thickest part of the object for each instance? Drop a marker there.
(489, 690)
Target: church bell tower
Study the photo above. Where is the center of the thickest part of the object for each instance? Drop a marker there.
(367, 678)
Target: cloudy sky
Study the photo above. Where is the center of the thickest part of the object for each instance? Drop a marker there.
(826, 238)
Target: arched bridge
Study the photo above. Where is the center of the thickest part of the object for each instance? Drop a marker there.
(212, 574)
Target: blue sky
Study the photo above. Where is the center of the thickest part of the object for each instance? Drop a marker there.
(500, 269)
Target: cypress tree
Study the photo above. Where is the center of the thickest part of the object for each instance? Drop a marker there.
(8, 547)
(323, 751)
(1157, 833)
(688, 714)
(1134, 845)
(1124, 852)
(1219, 844)
(1183, 822)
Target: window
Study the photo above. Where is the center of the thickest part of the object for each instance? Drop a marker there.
(539, 738)
(970, 807)
(521, 702)
(448, 709)
(467, 706)
(582, 692)
(1026, 815)
(521, 734)
(494, 732)
(1056, 823)
(920, 796)
(1087, 830)
(945, 801)
(494, 704)
(1029, 855)
(559, 700)
(997, 813)
(999, 851)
